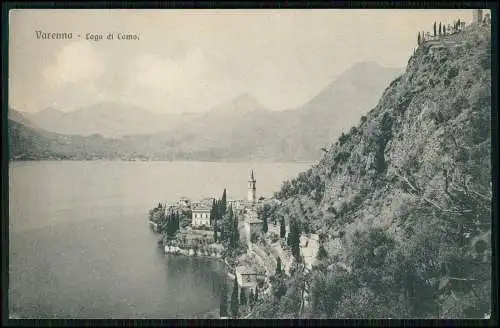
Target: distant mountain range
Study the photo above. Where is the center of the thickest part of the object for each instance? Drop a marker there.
(239, 129)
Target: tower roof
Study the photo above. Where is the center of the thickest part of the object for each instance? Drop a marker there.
(251, 176)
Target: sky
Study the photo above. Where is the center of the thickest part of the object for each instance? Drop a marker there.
(193, 60)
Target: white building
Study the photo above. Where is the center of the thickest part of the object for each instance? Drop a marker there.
(200, 216)
(236, 204)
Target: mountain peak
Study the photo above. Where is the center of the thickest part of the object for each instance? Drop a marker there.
(240, 104)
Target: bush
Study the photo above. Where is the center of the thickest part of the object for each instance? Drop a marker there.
(342, 139)
(341, 157)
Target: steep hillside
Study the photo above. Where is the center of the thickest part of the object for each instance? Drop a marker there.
(408, 193)
(27, 144)
(19, 117)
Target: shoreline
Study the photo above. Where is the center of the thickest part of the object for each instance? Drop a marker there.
(177, 251)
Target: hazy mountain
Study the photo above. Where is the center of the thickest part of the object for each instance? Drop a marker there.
(239, 105)
(340, 105)
(108, 119)
(238, 129)
(243, 129)
(19, 117)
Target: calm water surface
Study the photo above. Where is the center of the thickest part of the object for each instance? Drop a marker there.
(80, 246)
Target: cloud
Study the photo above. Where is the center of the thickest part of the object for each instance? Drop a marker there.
(178, 78)
(75, 63)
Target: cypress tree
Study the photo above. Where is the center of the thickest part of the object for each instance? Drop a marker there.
(213, 218)
(265, 228)
(419, 41)
(434, 28)
(215, 232)
(235, 233)
(223, 302)
(278, 266)
(322, 254)
(294, 239)
(440, 28)
(243, 298)
(251, 298)
(224, 201)
(234, 299)
(282, 228)
(256, 295)
(444, 29)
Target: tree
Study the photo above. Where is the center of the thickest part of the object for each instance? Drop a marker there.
(234, 299)
(322, 254)
(264, 224)
(282, 228)
(223, 301)
(213, 217)
(434, 28)
(440, 28)
(224, 201)
(251, 298)
(444, 29)
(215, 232)
(234, 233)
(419, 40)
(294, 239)
(243, 298)
(256, 295)
(278, 266)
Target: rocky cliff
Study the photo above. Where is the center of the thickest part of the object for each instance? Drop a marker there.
(409, 191)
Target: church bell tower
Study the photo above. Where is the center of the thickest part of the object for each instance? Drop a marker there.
(251, 189)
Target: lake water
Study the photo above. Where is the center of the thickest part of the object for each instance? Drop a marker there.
(80, 246)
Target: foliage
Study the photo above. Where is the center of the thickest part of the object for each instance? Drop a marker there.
(265, 228)
(223, 301)
(293, 239)
(322, 254)
(243, 298)
(278, 266)
(251, 298)
(234, 299)
(282, 228)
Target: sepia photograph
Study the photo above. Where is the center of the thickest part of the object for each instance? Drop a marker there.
(249, 164)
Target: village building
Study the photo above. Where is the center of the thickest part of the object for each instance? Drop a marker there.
(200, 216)
(183, 202)
(237, 205)
(248, 277)
(207, 201)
